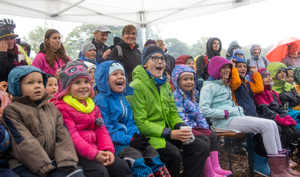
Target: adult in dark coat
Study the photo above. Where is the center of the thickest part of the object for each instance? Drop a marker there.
(171, 60)
(232, 46)
(213, 48)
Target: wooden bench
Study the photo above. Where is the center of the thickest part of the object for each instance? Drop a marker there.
(227, 137)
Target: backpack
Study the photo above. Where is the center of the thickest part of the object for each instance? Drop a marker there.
(205, 58)
(120, 52)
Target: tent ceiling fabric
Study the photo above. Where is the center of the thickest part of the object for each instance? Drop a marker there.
(141, 13)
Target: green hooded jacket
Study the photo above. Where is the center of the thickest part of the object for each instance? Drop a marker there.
(152, 112)
(279, 85)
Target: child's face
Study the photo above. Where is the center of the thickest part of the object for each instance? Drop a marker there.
(186, 82)
(242, 69)
(190, 63)
(52, 86)
(25, 49)
(80, 88)
(281, 75)
(225, 71)
(91, 54)
(117, 81)
(168, 75)
(32, 86)
(290, 77)
(91, 72)
(267, 79)
(156, 68)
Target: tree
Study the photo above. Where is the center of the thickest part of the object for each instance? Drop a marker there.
(176, 47)
(36, 37)
(199, 48)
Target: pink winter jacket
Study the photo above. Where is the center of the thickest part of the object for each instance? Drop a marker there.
(41, 63)
(88, 138)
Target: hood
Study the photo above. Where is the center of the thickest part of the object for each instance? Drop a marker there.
(240, 60)
(209, 49)
(239, 51)
(279, 85)
(15, 76)
(181, 60)
(251, 49)
(214, 66)
(101, 79)
(232, 46)
(26, 44)
(176, 73)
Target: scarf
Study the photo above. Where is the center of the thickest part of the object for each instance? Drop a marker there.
(99, 49)
(90, 60)
(78, 106)
(158, 81)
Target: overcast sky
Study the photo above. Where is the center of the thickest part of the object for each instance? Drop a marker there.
(265, 23)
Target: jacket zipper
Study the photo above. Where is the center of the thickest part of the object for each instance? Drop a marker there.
(124, 113)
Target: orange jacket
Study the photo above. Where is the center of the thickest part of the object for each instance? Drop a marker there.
(297, 87)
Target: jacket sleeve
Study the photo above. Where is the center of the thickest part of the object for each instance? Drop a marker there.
(291, 97)
(83, 148)
(200, 65)
(64, 153)
(236, 80)
(114, 55)
(173, 117)
(116, 136)
(258, 86)
(205, 103)
(103, 139)
(25, 147)
(5, 66)
(181, 111)
(39, 61)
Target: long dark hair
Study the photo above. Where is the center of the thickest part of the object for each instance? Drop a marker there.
(50, 55)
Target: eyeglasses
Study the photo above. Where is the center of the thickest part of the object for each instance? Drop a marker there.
(129, 34)
(155, 59)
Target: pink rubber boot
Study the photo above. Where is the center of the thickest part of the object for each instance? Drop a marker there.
(208, 170)
(214, 156)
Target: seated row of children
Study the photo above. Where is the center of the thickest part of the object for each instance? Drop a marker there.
(145, 133)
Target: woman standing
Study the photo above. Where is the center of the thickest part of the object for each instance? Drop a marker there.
(53, 56)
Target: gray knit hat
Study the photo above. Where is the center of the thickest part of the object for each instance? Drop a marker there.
(69, 73)
(87, 47)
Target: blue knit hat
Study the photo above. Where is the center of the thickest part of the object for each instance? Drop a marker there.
(148, 51)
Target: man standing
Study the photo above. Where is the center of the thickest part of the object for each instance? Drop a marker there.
(102, 50)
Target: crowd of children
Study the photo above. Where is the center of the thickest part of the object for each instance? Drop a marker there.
(84, 118)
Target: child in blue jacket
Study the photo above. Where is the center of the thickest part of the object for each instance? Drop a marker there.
(129, 143)
(184, 81)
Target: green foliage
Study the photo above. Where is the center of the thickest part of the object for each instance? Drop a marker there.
(176, 47)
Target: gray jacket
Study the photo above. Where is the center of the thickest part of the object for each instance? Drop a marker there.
(288, 61)
(257, 60)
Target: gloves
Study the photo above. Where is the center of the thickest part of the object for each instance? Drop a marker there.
(285, 121)
(226, 114)
(139, 141)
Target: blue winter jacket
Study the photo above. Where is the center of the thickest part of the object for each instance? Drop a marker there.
(115, 109)
(187, 109)
(215, 98)
(98, 59)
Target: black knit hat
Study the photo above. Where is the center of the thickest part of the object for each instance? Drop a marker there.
(148, 51)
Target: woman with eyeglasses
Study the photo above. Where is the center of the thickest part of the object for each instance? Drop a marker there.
(53, 56)
(130, 55)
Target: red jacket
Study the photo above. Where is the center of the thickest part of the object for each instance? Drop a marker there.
(88, 138)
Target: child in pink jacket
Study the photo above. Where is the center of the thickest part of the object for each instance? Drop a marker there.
(83, 119)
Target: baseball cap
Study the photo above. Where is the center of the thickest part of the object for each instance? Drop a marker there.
(102, 28)
(7, 32)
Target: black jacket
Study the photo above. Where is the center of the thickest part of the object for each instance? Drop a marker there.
(6, 64)
(131, 57)
(200, 63)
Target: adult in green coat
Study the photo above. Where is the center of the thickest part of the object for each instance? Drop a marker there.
(156, 116)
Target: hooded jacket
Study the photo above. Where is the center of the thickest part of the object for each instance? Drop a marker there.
(257, 60)
(27, 45)
(286, 91)
(268, 104)
(187, 109)
(218, 97)
(98, 59)
(201, 68)
(230, 49)
(131, 57)
(36, 130)
(244, 95)
(115, 109)
(155, 113)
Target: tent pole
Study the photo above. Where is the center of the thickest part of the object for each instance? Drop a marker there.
(143, 35)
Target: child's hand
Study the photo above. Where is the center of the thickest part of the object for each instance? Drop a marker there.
(3, 46)
(232, 61)
(253, 69)
(57, 74)
(102, 157)
(111, 159)
(3, 86)
(182, 135)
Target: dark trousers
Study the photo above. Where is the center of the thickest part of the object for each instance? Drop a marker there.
(133, 153)
(96, 169)
(193, 157)
(213, 142)
(22, 171)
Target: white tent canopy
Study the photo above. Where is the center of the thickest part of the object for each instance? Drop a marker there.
(141, 13)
